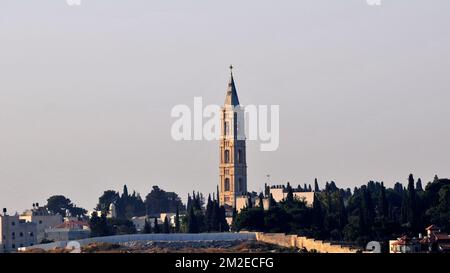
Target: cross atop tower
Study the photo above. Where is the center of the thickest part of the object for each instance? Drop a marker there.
(232, 97)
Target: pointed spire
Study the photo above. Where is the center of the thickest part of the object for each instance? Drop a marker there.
(232, 97)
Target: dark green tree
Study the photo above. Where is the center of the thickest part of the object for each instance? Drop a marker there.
(316, 186)
(419, 186)
(156, 228)
(147, 228)
(59, 204)
(290, 193)
(412, 205)
(166, 225)
(177, 221)
(159, 201)
(192, 225)
(106, 199)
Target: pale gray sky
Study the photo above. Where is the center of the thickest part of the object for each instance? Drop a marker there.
(86, 92)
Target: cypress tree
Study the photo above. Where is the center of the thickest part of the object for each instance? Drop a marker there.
(147, 228)
(192, 221)
(318, 213)
(189, 202)
(404, 208)
(419, 185)
(290, 193)
(316, 186)
(382, 204)
(266, 190)
(217, 194)
(210, 215)
(343, 220)
(125, 191)
(156, 226)
(177, 220)
(223, 224)
(261, 199)
(412, 204)
(272, 202)
(94, 225)
(249, 202)
(166, 225)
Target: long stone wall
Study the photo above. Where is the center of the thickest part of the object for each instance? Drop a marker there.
(173, 237)
(300, 242)
(281, 239)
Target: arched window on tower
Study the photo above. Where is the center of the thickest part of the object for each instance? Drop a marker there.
(239, 156)
(241, 185)
(227, 156)
(227, 184)
(226, 128)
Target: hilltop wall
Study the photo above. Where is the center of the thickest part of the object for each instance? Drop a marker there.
(301, 242)
(172, 237)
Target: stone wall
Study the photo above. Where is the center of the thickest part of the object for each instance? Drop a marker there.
(172, 237)
(300, 242)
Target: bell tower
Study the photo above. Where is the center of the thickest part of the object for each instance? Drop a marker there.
(233, 166)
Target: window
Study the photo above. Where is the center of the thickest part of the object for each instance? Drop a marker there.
(227, 184)
(239, 156)
(21, 234)
(241, 185)
(31, 234)
(40, 222)
(13, 234)
(227, 156)
(13, 246)
(226, 128)
(13, 223)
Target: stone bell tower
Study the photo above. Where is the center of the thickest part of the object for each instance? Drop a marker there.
(233, 166)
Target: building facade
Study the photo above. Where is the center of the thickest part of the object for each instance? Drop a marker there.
(15, 233)
(67, 231)
(279, 193)
(43, 220)
(233, 166)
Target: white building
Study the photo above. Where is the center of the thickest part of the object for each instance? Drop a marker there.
(279, 193)
(43, 220)
(67, 231)
(139, 221)
(15, 233)
(111, 213)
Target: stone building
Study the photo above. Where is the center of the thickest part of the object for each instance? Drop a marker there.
(42, 218)
(67, 231)
(435, 241)
(279, 193)
(16, 233)
(233, 167)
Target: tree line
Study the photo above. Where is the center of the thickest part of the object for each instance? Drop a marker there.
(370, 212)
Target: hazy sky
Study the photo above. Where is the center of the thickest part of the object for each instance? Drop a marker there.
(86, 92)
